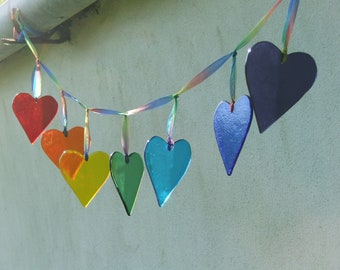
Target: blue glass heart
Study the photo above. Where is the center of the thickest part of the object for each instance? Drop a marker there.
(166, 167)
(231, 129)
(274, 86)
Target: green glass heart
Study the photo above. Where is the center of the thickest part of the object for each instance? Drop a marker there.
(127, 173)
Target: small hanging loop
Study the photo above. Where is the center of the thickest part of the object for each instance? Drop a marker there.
(288, 27)
(64, 112)
(87, 135)
(125, 138)
(36, 80)
(171, 123)
(171, 143)
(232, 80)
(232, 105)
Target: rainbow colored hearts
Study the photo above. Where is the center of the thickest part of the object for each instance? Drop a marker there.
(166, 167)
(231, 128)
(54, 143)
(85, 178)
(34, 115)
(275, 86)
(127, 173)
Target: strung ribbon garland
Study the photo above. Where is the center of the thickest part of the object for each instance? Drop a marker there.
(166, 161)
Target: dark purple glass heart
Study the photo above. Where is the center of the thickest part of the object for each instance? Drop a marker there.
(231, 129)
(274, 86)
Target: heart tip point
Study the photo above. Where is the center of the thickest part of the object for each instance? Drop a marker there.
(32, 141)
(160, 204)
(128, 212)
(262, 129)
(85, 205)
(229, 171)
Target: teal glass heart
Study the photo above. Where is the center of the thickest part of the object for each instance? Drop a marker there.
(166, 165)
(127, 173)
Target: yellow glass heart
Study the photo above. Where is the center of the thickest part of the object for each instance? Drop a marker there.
(85, 178)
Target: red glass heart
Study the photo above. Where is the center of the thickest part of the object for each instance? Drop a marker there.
(54, 143)
(34, 115)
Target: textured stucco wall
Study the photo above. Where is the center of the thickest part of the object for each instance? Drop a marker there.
(279, 210)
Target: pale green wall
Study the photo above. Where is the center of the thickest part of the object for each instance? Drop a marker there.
(279, 210)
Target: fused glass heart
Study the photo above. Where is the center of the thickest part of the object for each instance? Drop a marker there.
(166, 167)
(231, 129)
(54, 142)
(34, 115)
(127, 173)
(275, 86)
(85, 178)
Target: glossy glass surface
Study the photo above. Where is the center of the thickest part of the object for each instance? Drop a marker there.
(166, 168)
(85, 178)
(231, 129)
(276, 86)
(34, 115)
(54, 143)
(127, 173)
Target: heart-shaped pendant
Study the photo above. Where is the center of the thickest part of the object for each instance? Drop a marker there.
(54, 142)
(166, 167)
(34, 115)
(85, 178)
(275, 86)
(231, 128)
(127, 173)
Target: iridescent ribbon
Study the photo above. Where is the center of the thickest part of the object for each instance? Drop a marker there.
(125, 139)
(87, 136)
(232, 80)
(196, 80)
(36, 80)
(252, 33)
(171, 124)
(64, 112)
(288, 28)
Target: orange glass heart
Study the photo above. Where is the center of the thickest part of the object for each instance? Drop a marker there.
(54, 143)
(85, 178)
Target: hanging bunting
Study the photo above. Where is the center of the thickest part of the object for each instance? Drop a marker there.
(276, 81)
